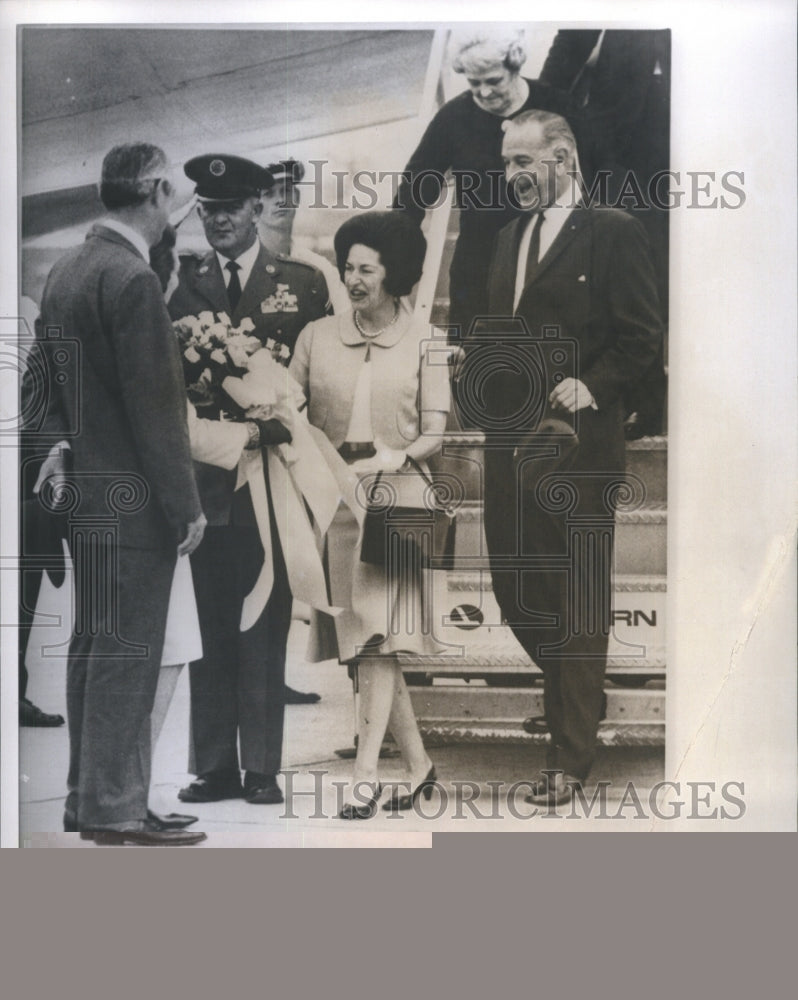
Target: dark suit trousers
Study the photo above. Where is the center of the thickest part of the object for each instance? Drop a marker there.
(40, 551)
(237, 687)
(30, 582)
(558, 610)
(112, 674)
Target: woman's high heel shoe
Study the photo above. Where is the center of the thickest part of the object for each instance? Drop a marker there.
(364, 811)
(398, 802)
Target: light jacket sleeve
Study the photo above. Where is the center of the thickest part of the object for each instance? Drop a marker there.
(215, 442)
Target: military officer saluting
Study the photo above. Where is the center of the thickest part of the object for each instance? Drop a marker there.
(237, 688)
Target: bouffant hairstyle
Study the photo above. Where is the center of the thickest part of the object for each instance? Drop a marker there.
(128, 174)
(396, 238)
(474, 50)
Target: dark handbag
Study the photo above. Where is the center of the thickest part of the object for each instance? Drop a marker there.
(428, 530)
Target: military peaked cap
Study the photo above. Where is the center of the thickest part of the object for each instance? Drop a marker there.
(291, 171)
(220, 177)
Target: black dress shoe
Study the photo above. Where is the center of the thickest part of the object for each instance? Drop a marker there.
(292, 697)
(262, 789)
(399, 802)
(147, 836)
(172, 821)
(32, 715)
(387, 751)
(555, 792)
(213, 787)
(364, 810)
(535, 725)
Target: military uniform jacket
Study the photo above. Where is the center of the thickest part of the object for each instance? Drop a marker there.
(281, 296)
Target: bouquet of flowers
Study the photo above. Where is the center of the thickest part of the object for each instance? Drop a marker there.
(242, 378)
(235, 375)
(212, 349)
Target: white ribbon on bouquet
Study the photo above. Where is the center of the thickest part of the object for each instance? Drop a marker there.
(306, 474)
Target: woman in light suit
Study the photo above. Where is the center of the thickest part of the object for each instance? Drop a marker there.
(378, 386)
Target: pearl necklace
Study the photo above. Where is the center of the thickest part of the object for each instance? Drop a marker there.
(375, 333)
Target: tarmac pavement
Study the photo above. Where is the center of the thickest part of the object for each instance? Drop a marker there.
(481, 787)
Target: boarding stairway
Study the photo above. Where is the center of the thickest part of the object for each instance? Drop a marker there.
(481, 692)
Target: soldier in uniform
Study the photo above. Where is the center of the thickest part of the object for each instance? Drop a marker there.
(237, 687)
(276, 228)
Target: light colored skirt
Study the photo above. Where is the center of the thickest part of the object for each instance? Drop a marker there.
(386, 611)
(183, 642)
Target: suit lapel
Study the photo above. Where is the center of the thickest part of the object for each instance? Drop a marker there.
(504, 271)
(261, 284)
(574, 224)
(210, 283)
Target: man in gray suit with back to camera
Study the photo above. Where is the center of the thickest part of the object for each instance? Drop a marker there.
(131, 488)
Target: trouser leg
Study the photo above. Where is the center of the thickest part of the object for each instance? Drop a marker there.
(557, 601)
(261, 657)
(30, 581)
(214, 681)
(574, 660)
(110, 696)
(574, 703)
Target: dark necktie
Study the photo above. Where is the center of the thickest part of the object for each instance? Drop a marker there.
(534, 249)
(234, 284)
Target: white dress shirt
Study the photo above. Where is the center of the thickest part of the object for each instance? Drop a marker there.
(245, 261)
(555, 217)
(130, 235)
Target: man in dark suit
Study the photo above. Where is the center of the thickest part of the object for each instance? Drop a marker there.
(620, 80)
(573, 319)
(237, 688)
(117, 400)
(40, 534)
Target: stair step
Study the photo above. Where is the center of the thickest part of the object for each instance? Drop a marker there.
(619, 735)
(470, 714)
(640, 540)
(658, 443)
(462, 456)
(493, 650)
(489, 705)
(469, 581)
(647, 458)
